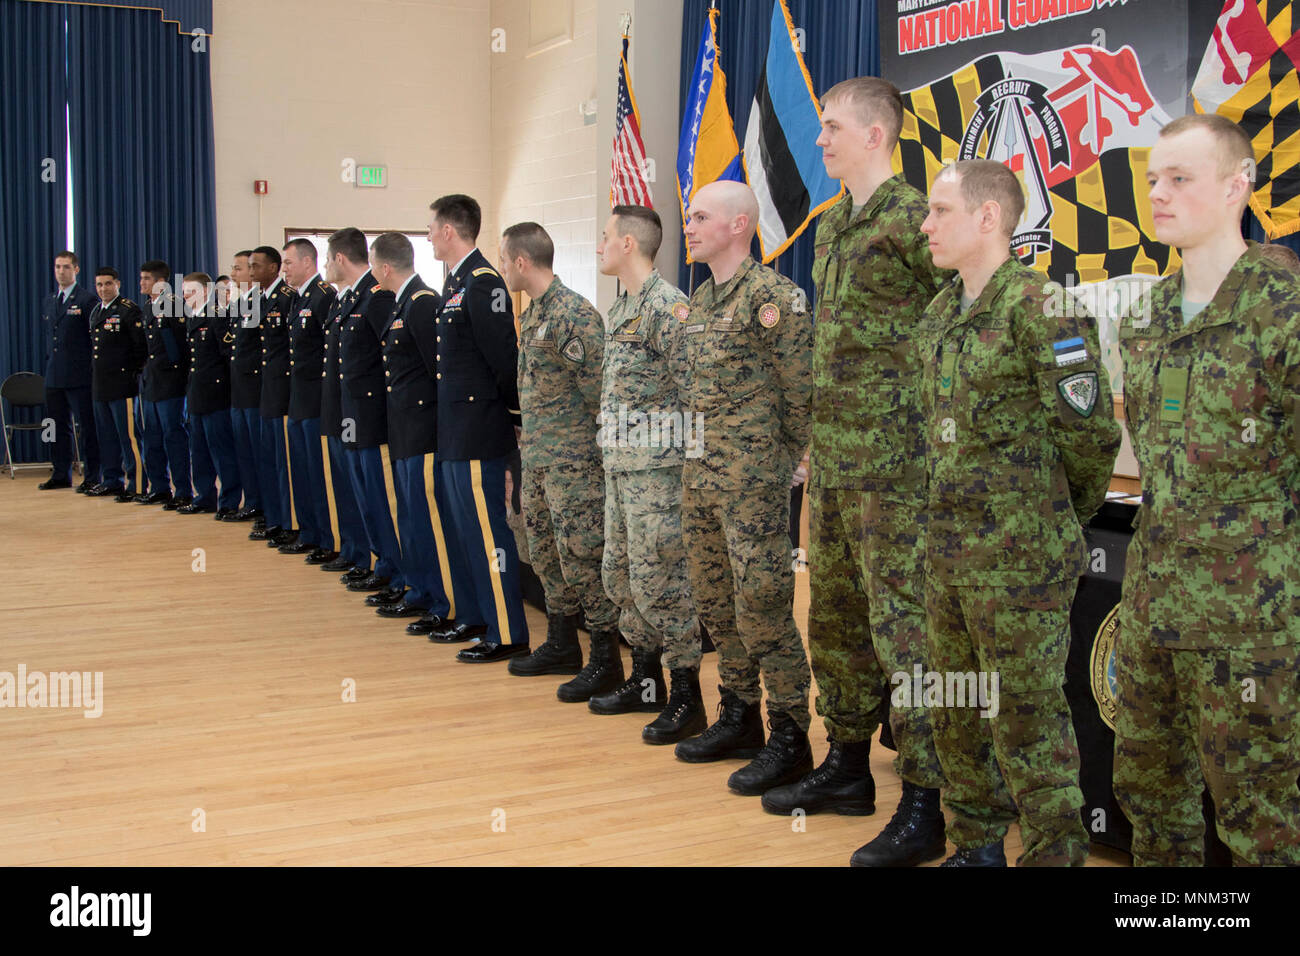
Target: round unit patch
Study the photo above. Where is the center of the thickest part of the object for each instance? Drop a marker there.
(769, 315)
(681, 312)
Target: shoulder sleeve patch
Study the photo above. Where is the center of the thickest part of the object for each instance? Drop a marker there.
(769, 315)
(681, 312)
(574, 350)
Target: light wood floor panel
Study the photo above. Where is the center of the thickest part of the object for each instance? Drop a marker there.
(222, 691)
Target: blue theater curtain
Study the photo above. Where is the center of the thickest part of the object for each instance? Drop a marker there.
(842, 41)
(33, 186)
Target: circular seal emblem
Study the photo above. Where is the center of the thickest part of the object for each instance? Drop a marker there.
(681, 311)
(769, 315)
(1101, 668)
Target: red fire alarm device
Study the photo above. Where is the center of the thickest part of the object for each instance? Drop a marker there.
(259, 187)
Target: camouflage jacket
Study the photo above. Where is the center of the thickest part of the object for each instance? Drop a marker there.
(1211, 409)
(1020, 430)
(561, 345)
(642, 422)
(749, 347)
(873, 276)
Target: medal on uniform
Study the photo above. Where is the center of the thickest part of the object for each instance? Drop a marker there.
(1173, 393)
(1079, 392)
(947, 369)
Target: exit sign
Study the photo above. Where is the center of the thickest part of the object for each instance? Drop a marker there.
(372, 175)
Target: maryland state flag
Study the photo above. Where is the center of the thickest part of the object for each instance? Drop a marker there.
(707, 150)
(1075, 125)
(1248, 74)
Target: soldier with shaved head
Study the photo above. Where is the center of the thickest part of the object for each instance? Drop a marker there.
(749, 348)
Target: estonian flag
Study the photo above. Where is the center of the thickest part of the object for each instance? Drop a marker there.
(782, 160)
(707, 150)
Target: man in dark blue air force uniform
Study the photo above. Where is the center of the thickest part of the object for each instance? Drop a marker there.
(118, 352)
(409, 340)
(313, 300)
(66, 315)
(365, 418)
(478, 412)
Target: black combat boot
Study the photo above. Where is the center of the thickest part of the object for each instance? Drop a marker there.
(604, 670)
(914, 835)
(684, 715)
(785, 759)
(990, 855)
(634, 694)
(842, 783)
(737, 733)
(560, 653)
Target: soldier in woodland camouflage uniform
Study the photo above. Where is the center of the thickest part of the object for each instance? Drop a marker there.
(643, 435)
(1021, 446)
(563, 486)
(749, 344)
(1208, 654)
(866, 622)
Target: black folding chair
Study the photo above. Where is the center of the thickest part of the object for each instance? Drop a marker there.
(21, 390)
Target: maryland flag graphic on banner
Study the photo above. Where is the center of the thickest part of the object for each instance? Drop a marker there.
(1248, 74)
(1075, 125)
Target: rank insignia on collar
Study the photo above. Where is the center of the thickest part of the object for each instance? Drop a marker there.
(573, 350)
(1079, 392)
(769, 315)
(681, 312)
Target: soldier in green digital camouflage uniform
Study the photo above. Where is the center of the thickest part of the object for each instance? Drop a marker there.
(1021, 443)
(749, 345)
(562, 483)
(1208, 654)
(643, 436)
(866, 622)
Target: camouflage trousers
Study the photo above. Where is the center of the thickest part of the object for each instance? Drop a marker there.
(1182, 725)
(645, 564)
(742, 576)
(564, 515)
(866, 622)
(1023, 760)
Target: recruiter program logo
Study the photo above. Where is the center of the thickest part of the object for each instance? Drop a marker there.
(1101, 668)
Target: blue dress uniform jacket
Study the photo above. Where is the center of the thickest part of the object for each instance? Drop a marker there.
(307, 320)
(167, 368)
(475, 365)
(209, 385)
(118, 349)
(361, 364)
(277, 312)
(67, 363)
(409, 342)
(246, 352)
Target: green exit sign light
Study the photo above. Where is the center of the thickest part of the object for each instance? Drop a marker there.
(372, 175)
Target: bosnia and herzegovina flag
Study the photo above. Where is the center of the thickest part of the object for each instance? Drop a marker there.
(1251, 74)
(707, 149)
(783, 162)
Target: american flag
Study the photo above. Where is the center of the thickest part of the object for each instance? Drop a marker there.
(628, 186)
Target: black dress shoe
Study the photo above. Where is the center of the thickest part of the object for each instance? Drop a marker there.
(337, 563)
(53, 483)
(297, 547)
(125, 497)
(103, 490)
(385, 597)
(259, 523)
(84, 488)
(371, 582)
(195, 508)
(427, 625)
(354, 574)
(321, 556)
(245, 514)
(281, 537)
(485, 653)
(458, 633)
(224, 514)
(401, 609)
(261, 534)
(176, 504)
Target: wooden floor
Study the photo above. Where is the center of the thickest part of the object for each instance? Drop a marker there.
(223, 702)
